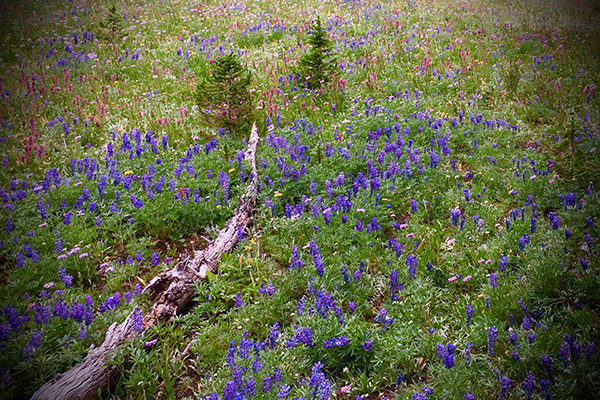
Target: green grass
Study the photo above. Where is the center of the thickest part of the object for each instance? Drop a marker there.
(430, 99)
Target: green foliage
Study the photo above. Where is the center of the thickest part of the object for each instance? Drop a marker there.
(316, 66)
(223, 95)
(112, 28)
(512, 76)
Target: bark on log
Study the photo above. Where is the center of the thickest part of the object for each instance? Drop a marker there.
(170, 291)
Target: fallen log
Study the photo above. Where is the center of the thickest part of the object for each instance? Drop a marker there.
(170, 291)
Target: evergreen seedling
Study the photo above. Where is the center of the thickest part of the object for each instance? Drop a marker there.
(112, 28)
(317, 65)
(223, 95)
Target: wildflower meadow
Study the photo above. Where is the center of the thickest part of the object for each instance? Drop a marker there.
(421, 209)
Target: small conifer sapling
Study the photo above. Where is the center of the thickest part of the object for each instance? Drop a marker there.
(223, 95)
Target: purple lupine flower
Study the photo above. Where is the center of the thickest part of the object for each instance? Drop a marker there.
(229, 390)
(359, 226)
(411, 262)
(413, 205)
(532, 225)
(250, 386)
(564, 353)
(526, 323)
(515, 355)
(397, 247)
(57, 243)
(89, 310)
(77, 312)
(224, 183)
(300, 306)
(256, 364)
(555, 223)
(277, 375)
(502, 263)
(493, 280)
(314, 249)
(345, 274)
(441, 351)
(238, 300)
(467, 352)
(492, 335)
(588, 241)
(383, 319)
(304, 335)
(36, 338)
(469, 396)
(14, 320)
(367, 345)
(266, 384)
(505, 385)
(229, 358)
(351, 307)
(274, 335)
(373, 225)
(283, 392)
(567, 233)
(325, 388)
(64, 277)
(547, 362)
(469, 312)
(394, 285)
(575, 352)
(335, 342)
(81, 332)
(522, 242)
(544, 385)
(449, 357)
(237, 379)
(60, 309)
(454, 216)
(589, 350)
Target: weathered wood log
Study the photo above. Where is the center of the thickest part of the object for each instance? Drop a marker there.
(170, 291)
(92, 375)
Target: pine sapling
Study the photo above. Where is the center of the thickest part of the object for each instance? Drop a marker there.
(223, 95)
(317, 65)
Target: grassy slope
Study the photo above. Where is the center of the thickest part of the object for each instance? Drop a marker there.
(529, 68)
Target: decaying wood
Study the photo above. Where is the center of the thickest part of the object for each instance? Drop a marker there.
(92, 375)
(170, 292)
